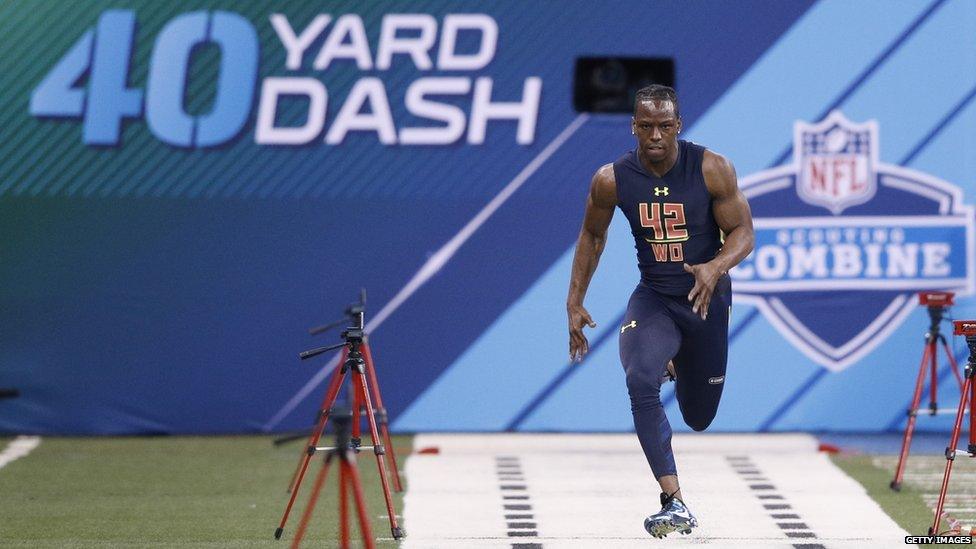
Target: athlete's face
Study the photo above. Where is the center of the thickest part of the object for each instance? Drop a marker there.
(656, 126)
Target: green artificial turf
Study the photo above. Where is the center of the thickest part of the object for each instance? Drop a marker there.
(905, 507)
(171, 491)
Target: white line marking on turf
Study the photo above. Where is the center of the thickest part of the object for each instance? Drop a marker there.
(593, 491)
(18, 448)
(437, 261)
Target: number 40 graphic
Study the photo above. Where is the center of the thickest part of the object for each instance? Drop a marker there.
(104, 54)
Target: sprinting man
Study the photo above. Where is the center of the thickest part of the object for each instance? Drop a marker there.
(679, 198)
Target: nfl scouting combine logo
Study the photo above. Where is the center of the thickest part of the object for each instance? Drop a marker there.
(844, 240)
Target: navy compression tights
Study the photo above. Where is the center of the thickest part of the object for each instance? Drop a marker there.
(658, 328)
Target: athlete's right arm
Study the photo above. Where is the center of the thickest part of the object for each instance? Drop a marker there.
(593, 235)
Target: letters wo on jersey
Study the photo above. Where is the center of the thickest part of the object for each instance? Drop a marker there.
(843, 241)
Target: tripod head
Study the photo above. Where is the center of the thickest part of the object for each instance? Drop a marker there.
(967, 328)
(352, 311)
(938, 304)
(352, 337)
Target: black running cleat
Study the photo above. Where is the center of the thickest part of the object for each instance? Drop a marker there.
(673, 516)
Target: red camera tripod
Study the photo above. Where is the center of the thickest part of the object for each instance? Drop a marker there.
(353, 361)
(938, 304)
(358, 403)
(352, 314)
(967, 404)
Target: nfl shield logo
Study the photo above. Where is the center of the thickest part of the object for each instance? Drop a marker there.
(836, 161)
(844, 241)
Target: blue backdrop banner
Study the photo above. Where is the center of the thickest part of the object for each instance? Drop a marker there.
(186, 187)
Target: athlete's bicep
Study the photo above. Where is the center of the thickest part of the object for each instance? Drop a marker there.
(729, 206)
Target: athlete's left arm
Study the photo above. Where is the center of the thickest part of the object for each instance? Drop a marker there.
(731, 211)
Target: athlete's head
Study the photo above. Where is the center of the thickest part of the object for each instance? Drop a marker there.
(656, 122)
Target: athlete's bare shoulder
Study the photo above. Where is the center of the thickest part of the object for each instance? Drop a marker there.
(603, 188)
(719, 174)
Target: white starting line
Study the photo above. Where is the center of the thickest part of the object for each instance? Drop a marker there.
(535, 491)
(18, 448)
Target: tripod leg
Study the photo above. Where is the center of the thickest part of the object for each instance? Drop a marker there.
(323, 409)
(382, 419)
(310, 449)
(391, 457)
(312, 500)
(906, 442)
(952, 362)
(934, 383)
(357, 429)
(972, 412)
(343, 503)
(379, 451)
(357, 490)
(951, 451)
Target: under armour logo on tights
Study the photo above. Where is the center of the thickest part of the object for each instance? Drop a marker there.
(633, 324)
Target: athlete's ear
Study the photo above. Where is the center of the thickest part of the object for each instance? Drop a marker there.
(679, 124)
(633, 126)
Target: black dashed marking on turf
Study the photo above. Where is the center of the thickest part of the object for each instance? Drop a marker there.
(519, 525)
(766, 492)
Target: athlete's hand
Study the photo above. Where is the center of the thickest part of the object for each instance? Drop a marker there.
(578, 345)
(706, 276)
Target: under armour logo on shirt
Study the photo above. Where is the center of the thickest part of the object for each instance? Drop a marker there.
(633, 324)
(658, 191)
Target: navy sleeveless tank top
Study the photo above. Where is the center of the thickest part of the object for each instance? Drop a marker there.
(670, 217)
